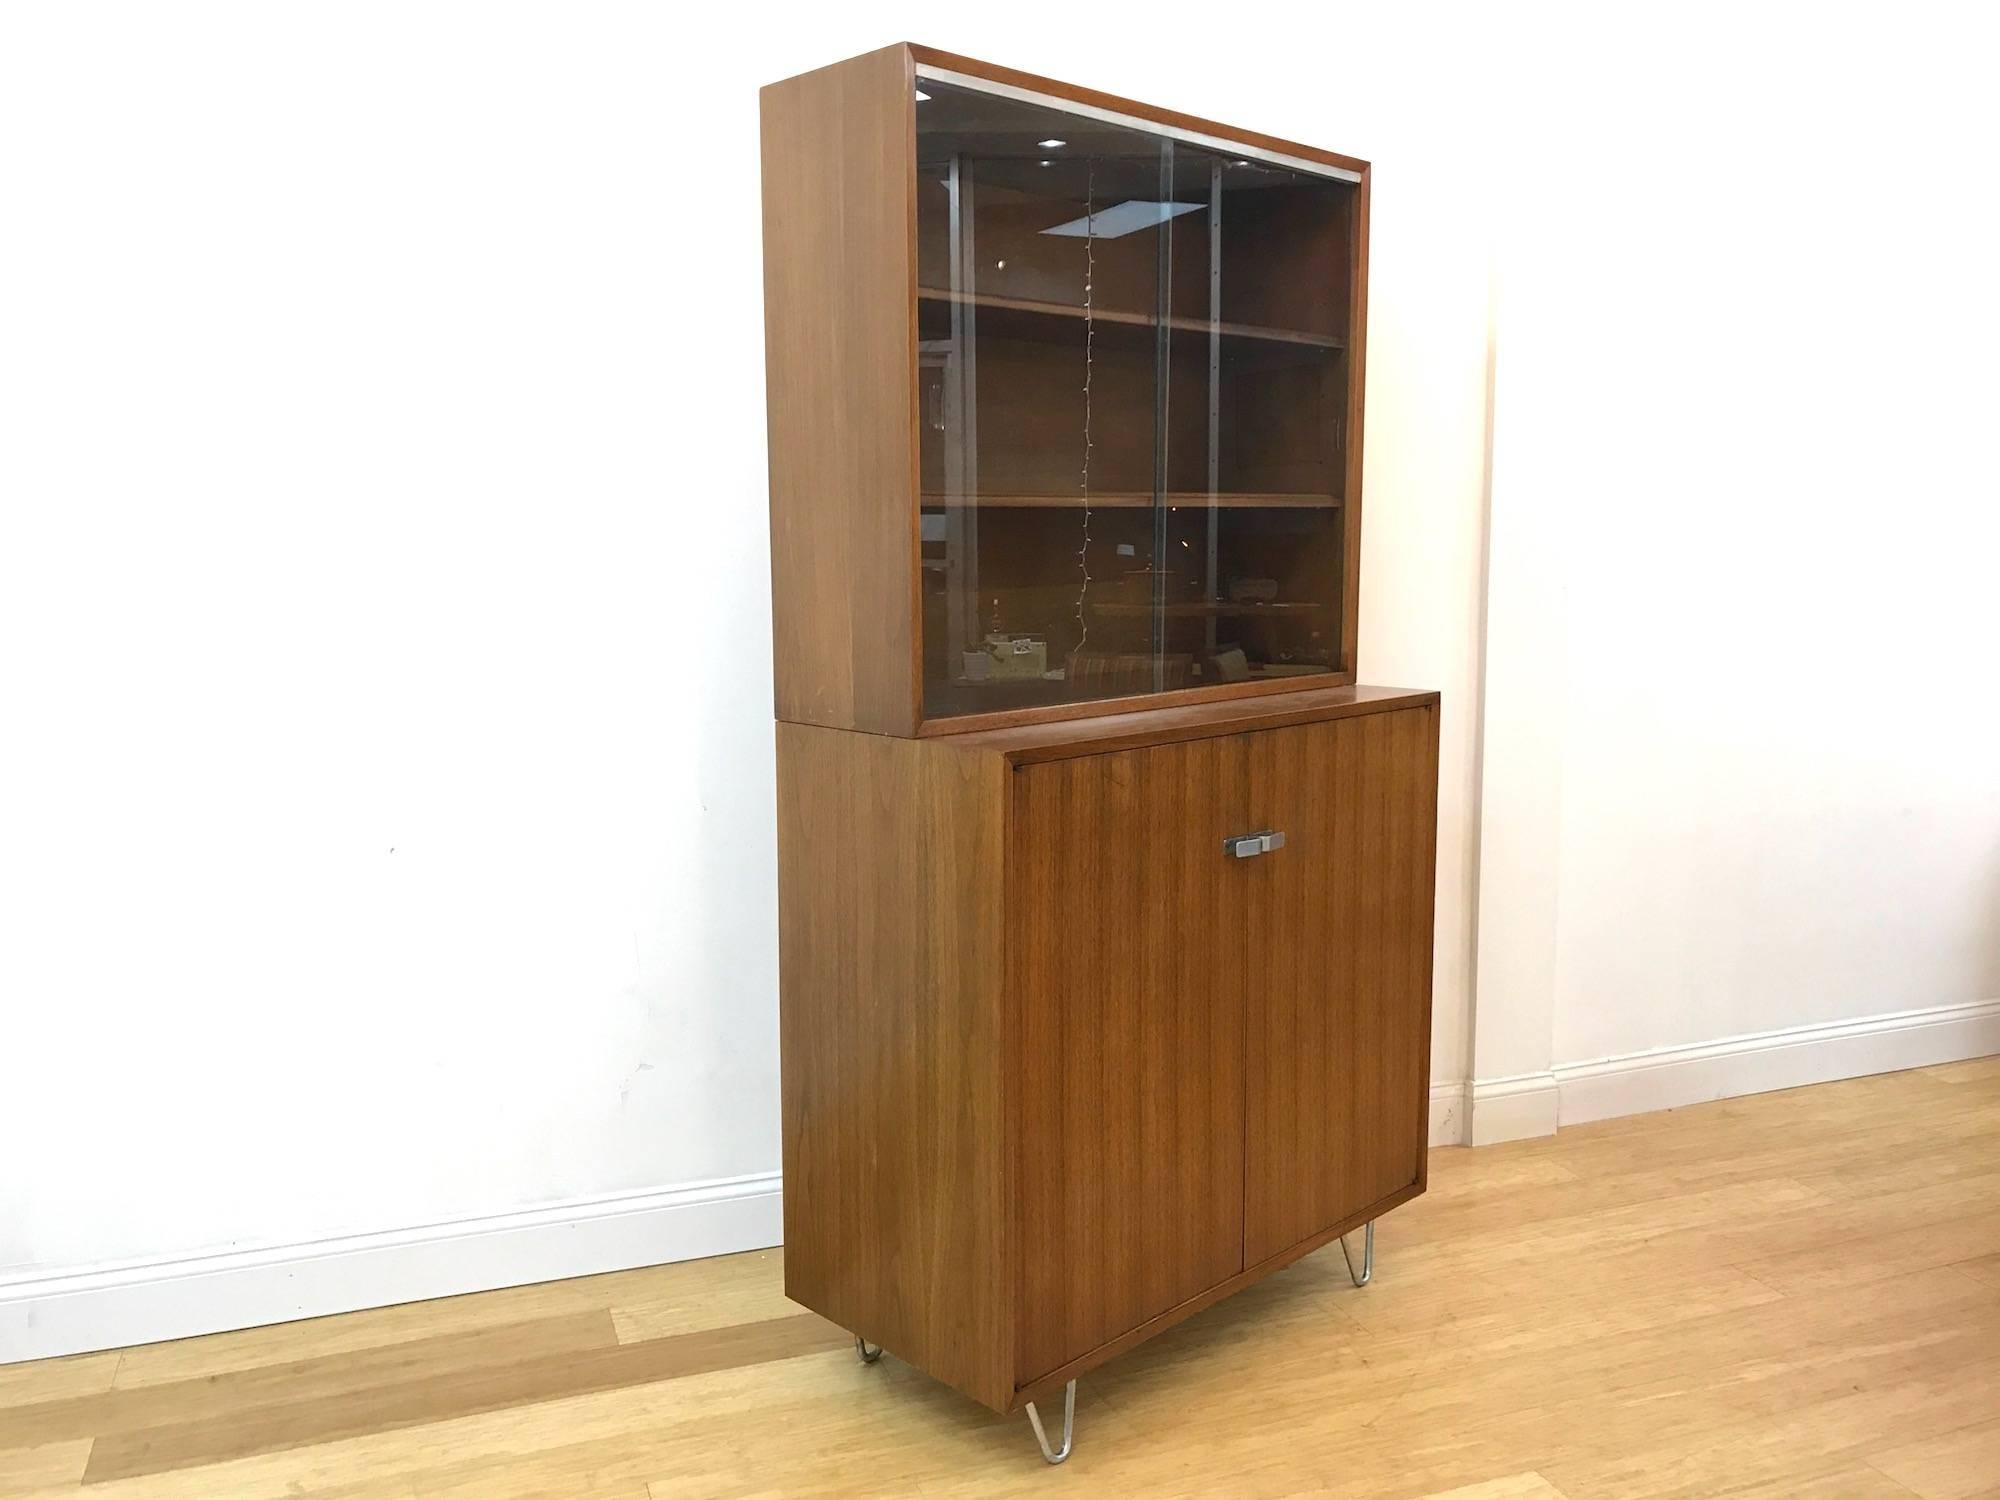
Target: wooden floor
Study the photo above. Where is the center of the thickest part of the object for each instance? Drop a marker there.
(1792, 1295)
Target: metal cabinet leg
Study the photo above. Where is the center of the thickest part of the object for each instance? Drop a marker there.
(1367, 1272)
(868, 1355)
(1056, 1455)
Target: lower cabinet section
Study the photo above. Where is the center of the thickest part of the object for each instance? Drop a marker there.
(1086, 1025)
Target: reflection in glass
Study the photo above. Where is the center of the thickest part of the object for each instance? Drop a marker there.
(1133, 385)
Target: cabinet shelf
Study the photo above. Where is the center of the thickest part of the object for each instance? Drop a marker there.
(1134, 500)
(1195, 609)
(1028, 307)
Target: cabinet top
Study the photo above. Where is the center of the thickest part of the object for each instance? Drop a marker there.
(1030, 743)
(934, 62)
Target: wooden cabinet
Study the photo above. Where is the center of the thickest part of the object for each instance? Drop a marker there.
(1065, 400)
(1059, 1067)
(1104, 893)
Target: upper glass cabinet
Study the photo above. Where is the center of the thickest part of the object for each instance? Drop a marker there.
(1134, 405)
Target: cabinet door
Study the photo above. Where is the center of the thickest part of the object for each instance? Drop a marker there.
(1147, 347)
(1125, 929)
(1339, 966)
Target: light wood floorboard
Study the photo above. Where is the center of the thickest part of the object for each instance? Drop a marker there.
(1792, 1295)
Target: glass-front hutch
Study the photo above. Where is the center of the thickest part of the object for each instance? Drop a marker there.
(1134, 386)
(1105, 893)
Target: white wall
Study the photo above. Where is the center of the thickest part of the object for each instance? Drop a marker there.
(1746, 392)
(387, 832)
(1811, 828)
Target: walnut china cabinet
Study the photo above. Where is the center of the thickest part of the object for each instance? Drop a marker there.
(1105, 893)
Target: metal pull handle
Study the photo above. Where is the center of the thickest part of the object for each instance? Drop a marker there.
(1250, 845)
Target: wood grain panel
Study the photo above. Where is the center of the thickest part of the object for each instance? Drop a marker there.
(839, 168)
(1126, 973)
(1338, 955)
(1156, 724)
(891, 973)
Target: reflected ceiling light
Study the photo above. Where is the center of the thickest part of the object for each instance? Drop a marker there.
(1046, 162)
(1124, 218)
(1051, 143)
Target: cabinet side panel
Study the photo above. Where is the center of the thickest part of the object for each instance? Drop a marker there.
(1392, 997)
(840, 392)
(890, 976)
(1421, 788)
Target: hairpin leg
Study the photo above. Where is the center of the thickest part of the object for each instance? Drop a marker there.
(1367, 1272)
(868, 1355)
(1056, 1455)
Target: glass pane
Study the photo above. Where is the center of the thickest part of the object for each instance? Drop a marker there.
(1132, 390)
(1258, 387)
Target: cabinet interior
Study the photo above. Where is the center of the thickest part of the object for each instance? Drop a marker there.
(1133, 396)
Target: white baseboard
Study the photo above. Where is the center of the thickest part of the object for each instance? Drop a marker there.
(145, 1301)
(1534, 1104)
(1511, 1109)
(1674, 1076)
(1447, 1114)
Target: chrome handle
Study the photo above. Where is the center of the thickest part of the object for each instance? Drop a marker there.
(1250, 845)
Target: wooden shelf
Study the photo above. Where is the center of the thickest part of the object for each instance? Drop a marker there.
(1203, 608)
(1135, 500)
(1120, 318)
